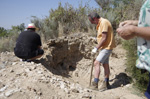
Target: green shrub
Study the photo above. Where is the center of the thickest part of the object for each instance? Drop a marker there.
(3, 32)
(7, 44)
(140, 80)
(65, 20)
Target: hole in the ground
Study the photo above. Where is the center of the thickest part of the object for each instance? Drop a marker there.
(71, 68)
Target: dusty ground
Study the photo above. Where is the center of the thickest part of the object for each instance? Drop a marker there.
(39, 80)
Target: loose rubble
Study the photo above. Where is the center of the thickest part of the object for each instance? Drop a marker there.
(63, 73)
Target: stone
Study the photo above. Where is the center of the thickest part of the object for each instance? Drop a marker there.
(3, 89)
(9, 93)
(87, 96)
(14, 63)
(62, 85)
(75, 90)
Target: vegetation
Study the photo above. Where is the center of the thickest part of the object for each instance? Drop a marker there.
(3, 32)
(140, 79)
(66, 20)
(8, 37)
(63, 21)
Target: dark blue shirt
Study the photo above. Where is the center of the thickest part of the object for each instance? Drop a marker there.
(27, 42)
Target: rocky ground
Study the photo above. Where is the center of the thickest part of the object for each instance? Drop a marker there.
(63, 73)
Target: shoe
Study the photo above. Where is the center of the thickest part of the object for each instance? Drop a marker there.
(94, 86)
(105, 86)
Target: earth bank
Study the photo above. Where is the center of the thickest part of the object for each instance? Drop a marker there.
(63, 73)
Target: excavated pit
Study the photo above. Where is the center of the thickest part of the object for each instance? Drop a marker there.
(63, 54)
(63, 72)
(71, 57)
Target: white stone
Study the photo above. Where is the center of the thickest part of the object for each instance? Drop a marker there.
(9, 93)
(32, 63)
(72, 86)
(3, 89)
(128, 85)
(2, 96)
(86, 96)
(6, 62)
(54, 78)
(14, 63)
(37, 97)
(40, 72)
(62, 85)
(38, 64)
(27, 70)
(51, 80)
(2, 70)
(66, 90)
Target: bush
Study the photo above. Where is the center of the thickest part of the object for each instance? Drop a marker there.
(140, 80)
(65, 20)
(7, 44)
(3, 32)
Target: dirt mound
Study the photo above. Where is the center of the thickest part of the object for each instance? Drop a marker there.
(64, 53)
(63, 73)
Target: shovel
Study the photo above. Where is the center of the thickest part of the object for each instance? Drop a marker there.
(92, 69)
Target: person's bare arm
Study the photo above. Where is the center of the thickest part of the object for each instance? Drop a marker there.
(104, 37)
(130, 31)
(143, 32)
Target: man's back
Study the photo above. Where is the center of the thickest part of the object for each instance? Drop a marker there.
(27, 42)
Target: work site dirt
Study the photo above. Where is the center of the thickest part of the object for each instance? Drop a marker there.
(64, 73)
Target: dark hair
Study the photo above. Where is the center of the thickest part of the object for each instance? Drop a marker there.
(33, 29)
(93, 15)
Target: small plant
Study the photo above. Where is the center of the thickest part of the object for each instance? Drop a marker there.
(140, 80)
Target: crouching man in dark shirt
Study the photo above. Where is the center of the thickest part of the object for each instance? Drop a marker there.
(28, 45)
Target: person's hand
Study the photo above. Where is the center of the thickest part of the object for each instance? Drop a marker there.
(126, 32)
(94, 50)
(128, 22)
(93, 38)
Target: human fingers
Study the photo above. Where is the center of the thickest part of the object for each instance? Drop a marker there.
(126, 32)
(122, 32)
(122, 24)
(119, 31)
(125, 23)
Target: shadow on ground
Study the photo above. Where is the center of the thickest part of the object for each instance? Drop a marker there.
(60, 69)
(121, 79)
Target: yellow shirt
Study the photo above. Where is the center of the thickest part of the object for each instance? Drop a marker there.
(105, 26)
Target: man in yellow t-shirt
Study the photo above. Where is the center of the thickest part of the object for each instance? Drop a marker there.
(106, 42)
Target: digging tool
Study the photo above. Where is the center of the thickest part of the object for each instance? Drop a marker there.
(92, 69)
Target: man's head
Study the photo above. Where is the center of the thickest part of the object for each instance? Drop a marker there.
(94, 18)
(31, 26)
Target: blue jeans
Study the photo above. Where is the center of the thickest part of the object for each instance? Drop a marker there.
(147, 93)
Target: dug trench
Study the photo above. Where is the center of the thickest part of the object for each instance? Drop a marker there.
(71, 57)
(63, 72)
